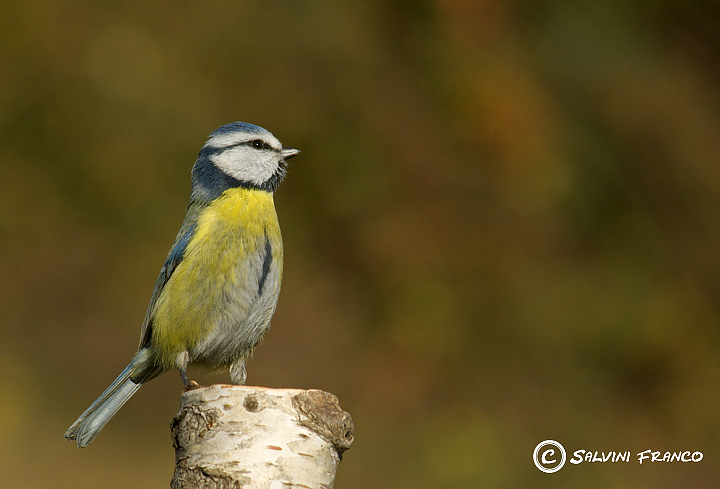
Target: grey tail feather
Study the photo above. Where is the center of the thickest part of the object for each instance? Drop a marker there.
(94, 419)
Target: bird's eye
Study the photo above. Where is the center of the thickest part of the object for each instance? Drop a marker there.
(258, 144)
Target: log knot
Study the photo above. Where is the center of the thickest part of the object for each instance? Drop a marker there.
(320, 411)
(203, 478)
(190, 424)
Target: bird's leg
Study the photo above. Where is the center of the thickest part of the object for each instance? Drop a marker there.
(181, 363)
(238, 374)
(183, 374)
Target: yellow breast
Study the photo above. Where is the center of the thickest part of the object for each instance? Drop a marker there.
(218, 273)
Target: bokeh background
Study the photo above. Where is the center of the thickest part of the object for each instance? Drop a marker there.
(503, 227)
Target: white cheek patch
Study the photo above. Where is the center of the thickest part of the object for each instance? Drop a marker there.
(246, 164)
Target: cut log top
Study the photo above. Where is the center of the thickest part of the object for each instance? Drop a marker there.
(256, 437)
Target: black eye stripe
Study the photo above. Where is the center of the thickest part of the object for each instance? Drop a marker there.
(258, 144)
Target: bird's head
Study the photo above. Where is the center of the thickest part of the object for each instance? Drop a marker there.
(240, 155)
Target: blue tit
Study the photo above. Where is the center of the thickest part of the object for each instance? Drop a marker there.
(219, 285)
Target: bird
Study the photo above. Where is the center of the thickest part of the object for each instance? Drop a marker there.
(218, 287)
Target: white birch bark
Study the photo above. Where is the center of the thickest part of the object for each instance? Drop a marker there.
(228, 436)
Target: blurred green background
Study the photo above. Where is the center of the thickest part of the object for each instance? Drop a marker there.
(503, 227)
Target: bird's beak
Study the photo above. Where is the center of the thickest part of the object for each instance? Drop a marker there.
(288, 153)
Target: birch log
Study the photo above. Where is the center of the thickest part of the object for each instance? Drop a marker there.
(228, 436)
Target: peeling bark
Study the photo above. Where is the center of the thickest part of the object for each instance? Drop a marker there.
(228, 436)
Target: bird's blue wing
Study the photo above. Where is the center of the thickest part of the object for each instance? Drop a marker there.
(176, 254)
(174, 258)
